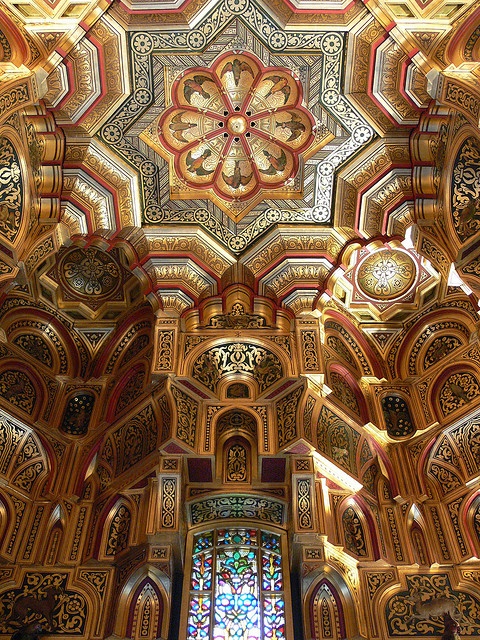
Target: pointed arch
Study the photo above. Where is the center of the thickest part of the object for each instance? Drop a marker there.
(143, 609)
(472, 522)
(116, 531)
(361, 354)
(236, 433)
(327, 612)
(329, 609)
(359, 532)
(346, 391)
(113, 532)
(421, 553)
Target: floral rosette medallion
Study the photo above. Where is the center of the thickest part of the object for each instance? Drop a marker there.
(236, 132)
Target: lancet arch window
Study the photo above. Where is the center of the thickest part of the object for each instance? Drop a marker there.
(237, 588)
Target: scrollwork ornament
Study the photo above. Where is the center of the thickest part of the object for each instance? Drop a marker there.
(117, 539)
(286, 417)
(354, 534)
(459, 389)
(98, 579)
(165, 341)
(11, 190)
(304, 504)
(168, 506)
(236, 463)
(465, 197)
(418, 609)
(60, 609)
(90, 272)
(186, 416)
(250, 507)
(309, 346)
(262, 364)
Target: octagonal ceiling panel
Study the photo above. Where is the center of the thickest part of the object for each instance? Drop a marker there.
(228, 124)
(236, 133)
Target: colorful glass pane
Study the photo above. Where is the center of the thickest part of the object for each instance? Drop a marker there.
(272, 572)
(236, 571)
(198, 625)
(274, 618)
(236, 586)
(237, 536)
(203, 541)
(271, 541)
(202, 572)
(236, 597)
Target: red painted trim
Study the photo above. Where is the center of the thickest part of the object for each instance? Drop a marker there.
(184, 5)
(364, 508)
(179, 254)
(363, 242)
(461, 37)
(179, 155)
(52, 461)
(61, 52)
(103, 77)
(193, 388)
(80, 485)
(456, 315)
(20, 49)
(422, 464)
(468, 527)
(112, 341)
(100, 65)
(353, 384)
(9, 520)
(67, 342)
(336, 12)
(8, 364)
(112, 414)
(359, 339)
(466, 408)
(388, 466)
(403, 76)
(133, 602)
(101, 522)
(98, 178)
(366, 187)
(371, 77)
(338, 601)
(301, 253)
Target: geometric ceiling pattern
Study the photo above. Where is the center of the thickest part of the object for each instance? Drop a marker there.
(239, 309)
(320, 55)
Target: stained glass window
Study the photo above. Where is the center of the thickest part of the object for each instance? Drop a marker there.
(236, 586)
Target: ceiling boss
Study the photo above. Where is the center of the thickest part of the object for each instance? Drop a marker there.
(237, 132)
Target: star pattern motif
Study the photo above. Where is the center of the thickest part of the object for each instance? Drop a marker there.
(237, 131)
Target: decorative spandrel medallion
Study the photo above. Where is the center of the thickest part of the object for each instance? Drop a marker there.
(236, 133)
(386, 274)
(90, 272)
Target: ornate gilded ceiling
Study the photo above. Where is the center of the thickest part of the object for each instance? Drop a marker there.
(240, 228)
(295, 152)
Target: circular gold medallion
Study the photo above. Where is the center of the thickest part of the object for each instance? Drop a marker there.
(386, 274)
(237, 124)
